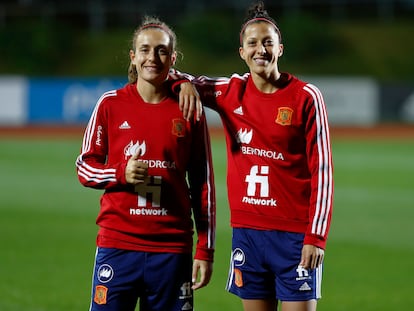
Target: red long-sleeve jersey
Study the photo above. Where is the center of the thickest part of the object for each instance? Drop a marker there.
(155, 216)
(279, 155)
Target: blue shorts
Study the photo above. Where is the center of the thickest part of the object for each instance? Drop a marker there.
(159, 281)
(265, 265)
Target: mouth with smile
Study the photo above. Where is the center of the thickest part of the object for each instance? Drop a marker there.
(152, 68)
(261, 61)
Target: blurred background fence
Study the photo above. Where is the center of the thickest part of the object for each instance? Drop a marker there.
(58, 57)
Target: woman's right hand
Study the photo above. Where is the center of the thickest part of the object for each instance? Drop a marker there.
(136, 170)
(189, 101)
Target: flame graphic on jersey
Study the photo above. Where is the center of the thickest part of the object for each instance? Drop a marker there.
(132, 149)
(243, 136)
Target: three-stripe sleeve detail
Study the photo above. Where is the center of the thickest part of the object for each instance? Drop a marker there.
(325, 186)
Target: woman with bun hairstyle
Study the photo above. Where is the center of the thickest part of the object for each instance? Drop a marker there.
(279, 172)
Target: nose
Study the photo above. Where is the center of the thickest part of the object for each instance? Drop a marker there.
(151, 54)
(261, 49)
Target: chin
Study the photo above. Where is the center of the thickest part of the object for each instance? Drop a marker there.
(259, 70)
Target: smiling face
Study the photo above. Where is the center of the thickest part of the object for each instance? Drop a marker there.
(153, 55)
(261, 49)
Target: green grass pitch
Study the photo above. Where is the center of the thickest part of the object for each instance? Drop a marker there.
(47, 228)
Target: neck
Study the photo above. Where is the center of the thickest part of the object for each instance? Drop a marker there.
(151, 93)
(266, 83)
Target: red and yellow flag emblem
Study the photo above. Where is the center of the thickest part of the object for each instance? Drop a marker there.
(238, 278)
(100, 294)
(178, 127)
(284, 116)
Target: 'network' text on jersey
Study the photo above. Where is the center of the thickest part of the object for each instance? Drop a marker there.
(258, 178)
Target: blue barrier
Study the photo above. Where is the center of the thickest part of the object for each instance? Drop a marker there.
(70, 101)
(66, 100)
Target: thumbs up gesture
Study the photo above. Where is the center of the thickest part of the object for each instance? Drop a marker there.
(136, 170)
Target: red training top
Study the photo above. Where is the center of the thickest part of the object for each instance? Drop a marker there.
(278, 152)
(154, 216)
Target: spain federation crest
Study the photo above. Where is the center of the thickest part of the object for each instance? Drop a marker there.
(238, 278)
(100, 294)
(284, 116)
(178, 127)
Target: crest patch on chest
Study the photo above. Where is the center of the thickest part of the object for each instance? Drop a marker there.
(178, 127)
(284, 116)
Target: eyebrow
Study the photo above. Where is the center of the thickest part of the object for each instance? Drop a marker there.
(263, 39)
(158, 46)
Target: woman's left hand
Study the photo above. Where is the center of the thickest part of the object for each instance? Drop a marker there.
(202, 271)
(312, 256)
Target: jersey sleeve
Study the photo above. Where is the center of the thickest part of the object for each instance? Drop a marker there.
(202, 189)
(91, 165)
(321, 168)
(210, 89)
(175, 78)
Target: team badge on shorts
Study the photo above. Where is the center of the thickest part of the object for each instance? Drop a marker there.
(238, 278)
(178, 127)
(100, 294)
(284, 116)
(239, 259)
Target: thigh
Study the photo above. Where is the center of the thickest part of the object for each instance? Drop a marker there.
(309, 305)
(259, 305)
(249, 277)
(115, 280)
(167, 282)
